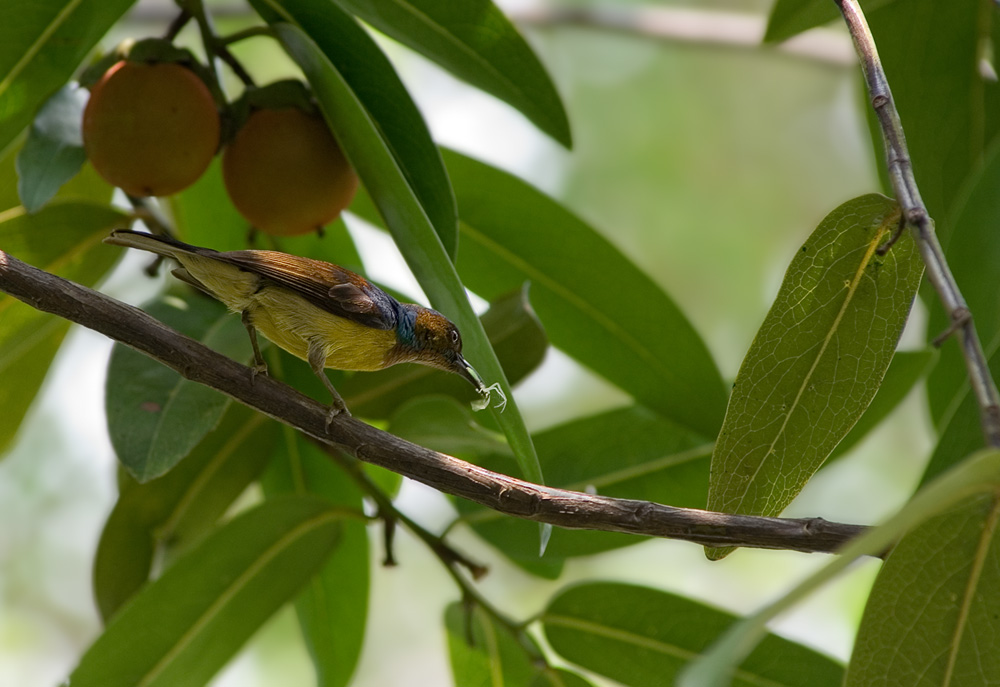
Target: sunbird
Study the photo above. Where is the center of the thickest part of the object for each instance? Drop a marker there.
(317, 311)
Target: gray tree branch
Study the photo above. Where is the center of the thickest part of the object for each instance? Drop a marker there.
(915, 213)
(559, 507)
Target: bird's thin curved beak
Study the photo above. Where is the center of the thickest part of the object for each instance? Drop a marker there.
(464, 369)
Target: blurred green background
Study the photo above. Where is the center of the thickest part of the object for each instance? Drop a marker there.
(707, 165)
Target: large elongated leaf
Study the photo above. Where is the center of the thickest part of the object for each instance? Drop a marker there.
(185, 626)
(64, 238)
(642, 637)
(413, 233)
(817, 359)
(333, 608)
(155, 416)
(595, 304)
(933, 616)
(41, 43)
(180, 506)
(397, 127)
(474, 41)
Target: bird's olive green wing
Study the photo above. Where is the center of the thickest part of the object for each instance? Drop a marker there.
(325, 285)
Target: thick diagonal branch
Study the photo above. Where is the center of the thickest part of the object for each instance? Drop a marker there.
(908, 196)
(559, 507)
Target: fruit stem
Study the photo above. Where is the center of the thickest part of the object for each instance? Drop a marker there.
(179, 22)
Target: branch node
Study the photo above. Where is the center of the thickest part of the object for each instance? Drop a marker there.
(960, 317)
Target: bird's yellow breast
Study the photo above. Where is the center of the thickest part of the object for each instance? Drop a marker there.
(290, 321)
(293, 323)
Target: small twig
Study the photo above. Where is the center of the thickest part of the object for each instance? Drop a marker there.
(692, 26)
(559, 507)
(178, 23)
(915, 213)
(243, 34)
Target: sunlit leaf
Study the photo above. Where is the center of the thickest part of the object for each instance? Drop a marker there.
(642, 637)
(817, 359)
(182, 628)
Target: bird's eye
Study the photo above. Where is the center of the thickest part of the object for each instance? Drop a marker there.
(453, 334)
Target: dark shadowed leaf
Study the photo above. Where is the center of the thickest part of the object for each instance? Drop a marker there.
(181, 629)
(817, 359)
(155, 416)
(974, 257)
(594, 303)
(475, 42)
(333, 608)
(41, 43)
(175, 509)
(64, 239)
(933, 616)
(642, 637)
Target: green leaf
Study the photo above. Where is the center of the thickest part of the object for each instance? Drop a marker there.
(514, 332)
(627, 452)
(475, 42)
(817, 360)
(53, 153)
(641, 636)
(155, 416)
(391, 130)
(942, 91)
(175, 509)
(64, 239)
(906, 369)
(974, 257)
(978, 475)
(41, 43)
(333, 608)
(181, 629)
(483, 652)
(595, 304)
(933, 615)
(791, 17)
(413, 233)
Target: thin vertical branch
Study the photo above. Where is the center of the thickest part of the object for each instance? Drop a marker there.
(915, 213)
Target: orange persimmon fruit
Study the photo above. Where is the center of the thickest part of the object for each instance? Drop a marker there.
(285, 173)
(150, 129)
